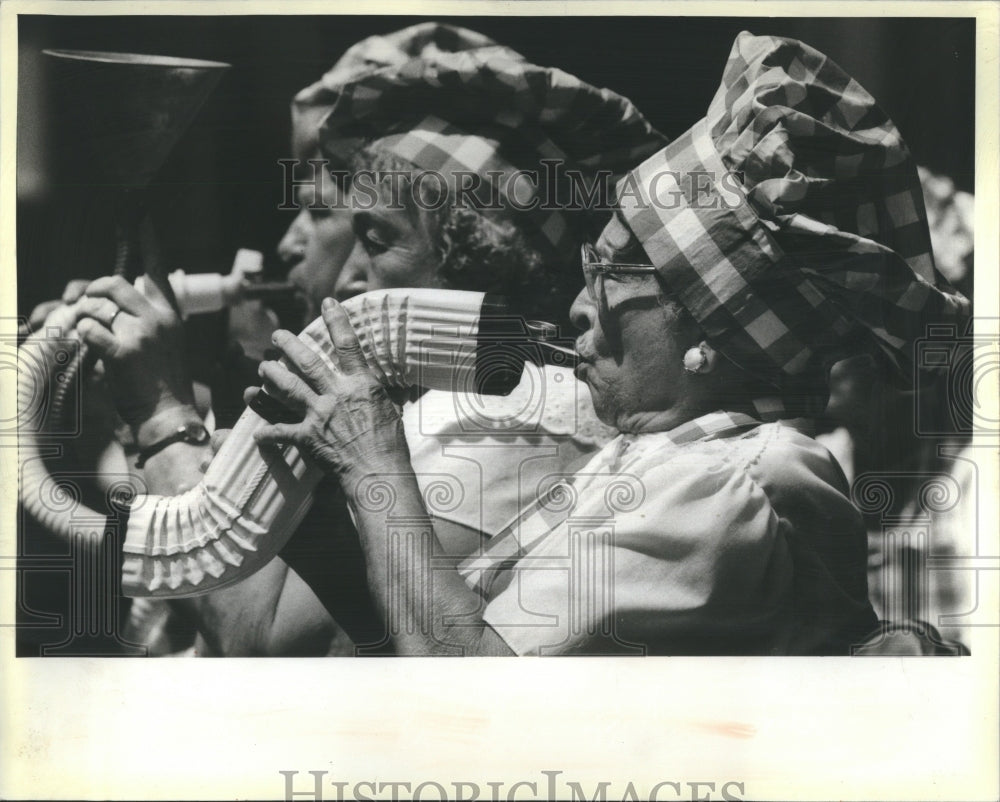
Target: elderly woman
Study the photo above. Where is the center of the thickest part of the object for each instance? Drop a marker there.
(495, 449)
(711, 316)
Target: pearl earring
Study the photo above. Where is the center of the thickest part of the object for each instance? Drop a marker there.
(700, 359)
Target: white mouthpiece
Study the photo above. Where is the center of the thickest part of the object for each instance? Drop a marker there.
(201, 293)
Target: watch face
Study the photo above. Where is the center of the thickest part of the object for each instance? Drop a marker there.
(196, 433)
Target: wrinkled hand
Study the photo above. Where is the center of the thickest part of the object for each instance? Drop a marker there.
(349, 426)
(141, 343)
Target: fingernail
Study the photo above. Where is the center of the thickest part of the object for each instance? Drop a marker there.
(328, 304)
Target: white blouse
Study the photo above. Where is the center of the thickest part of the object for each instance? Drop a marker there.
(481, 459)
(724, 536)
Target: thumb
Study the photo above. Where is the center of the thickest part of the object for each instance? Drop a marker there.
(74, 290)
(155, 294)
(218, 438)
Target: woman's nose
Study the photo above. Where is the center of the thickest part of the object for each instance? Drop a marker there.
(583, 313)
(292, 247)
(354, 275)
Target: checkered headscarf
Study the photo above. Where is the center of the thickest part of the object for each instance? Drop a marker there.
(427, 39)
(488, 111)
(820, 249)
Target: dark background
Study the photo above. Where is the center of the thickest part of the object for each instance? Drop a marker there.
(220, 188)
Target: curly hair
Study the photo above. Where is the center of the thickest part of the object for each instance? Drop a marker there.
(487, 251)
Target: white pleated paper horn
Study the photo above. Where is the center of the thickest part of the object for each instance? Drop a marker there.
(249, 502)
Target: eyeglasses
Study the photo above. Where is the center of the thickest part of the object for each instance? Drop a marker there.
(595, 272)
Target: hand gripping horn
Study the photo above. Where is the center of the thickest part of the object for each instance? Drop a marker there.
(249, 502)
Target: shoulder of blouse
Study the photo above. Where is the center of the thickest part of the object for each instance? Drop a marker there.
(772, 455)
(779, 456)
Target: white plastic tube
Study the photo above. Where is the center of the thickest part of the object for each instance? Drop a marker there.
(200, 293)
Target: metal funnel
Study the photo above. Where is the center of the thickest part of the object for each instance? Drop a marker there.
(120, 114)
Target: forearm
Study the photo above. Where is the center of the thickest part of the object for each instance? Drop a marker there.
(429, 612)
(350, 427)
(178, 467)
(269, 613)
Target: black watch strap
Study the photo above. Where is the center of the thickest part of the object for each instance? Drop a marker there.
(194, 433)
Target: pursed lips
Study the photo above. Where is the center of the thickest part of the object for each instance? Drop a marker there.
(584, 359)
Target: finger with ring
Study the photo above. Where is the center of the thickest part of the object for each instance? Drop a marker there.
(103, 310)
(119, 291)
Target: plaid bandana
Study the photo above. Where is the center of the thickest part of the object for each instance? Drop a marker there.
(425, 40)
(820, 251)
(489, 112)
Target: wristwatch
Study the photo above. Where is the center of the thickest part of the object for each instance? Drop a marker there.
(193, 432)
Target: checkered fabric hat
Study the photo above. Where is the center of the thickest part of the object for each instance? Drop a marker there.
(427, 39)
(820, 249)
(521, 128)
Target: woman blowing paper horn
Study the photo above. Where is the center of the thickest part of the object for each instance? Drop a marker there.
(713, 524)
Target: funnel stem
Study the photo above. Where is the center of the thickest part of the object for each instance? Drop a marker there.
(128, 216)
(129, 213)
